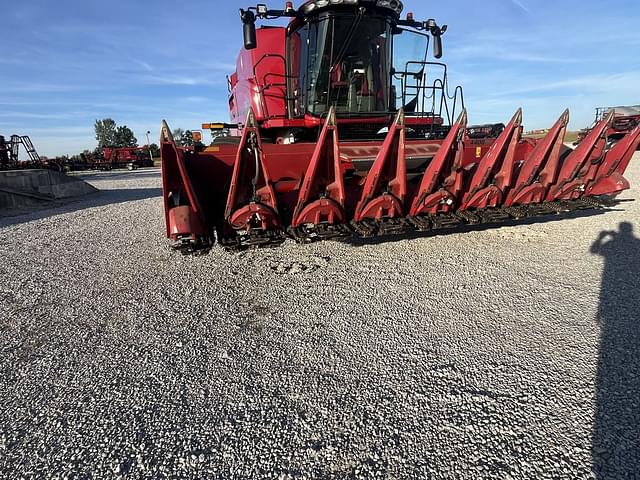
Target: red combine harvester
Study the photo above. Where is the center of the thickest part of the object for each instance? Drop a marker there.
(120, 157)
(335, 132)
(624, 121)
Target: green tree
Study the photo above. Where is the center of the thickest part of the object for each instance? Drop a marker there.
(155, 150)
(183, 138)
(125, 137)
(177, 136)
(187, 139)
(109, 134)
(105, 132)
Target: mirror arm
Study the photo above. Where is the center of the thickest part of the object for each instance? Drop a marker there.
(430, 26)
(248, 18)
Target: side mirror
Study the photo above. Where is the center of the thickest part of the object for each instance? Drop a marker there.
(249, 29)
(437, 33)
(437, 46)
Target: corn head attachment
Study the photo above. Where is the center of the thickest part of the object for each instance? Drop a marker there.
(333, 137)
(257, 194)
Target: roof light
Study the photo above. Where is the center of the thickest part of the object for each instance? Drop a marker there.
(261, 8)
(316, 4)
(288, 7)
(395, 5)
(410, 17)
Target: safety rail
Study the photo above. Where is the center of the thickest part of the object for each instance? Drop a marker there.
(417, 96)
(31, 150)
(15, 148)
(14, 152)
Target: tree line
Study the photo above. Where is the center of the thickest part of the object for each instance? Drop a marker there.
(109, 134)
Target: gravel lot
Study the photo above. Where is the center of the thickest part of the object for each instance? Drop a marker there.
(501, 353)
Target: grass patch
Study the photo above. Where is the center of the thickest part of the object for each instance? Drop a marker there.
(570, 137)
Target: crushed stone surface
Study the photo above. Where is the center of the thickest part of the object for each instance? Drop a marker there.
(503, 353)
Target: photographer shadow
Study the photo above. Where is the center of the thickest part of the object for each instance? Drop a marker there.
(616, 430)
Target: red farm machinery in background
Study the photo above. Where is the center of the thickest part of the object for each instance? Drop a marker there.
(625, 119)
(5, 154)
(10, 155)
(335, 131)
(111, 157)
(131, 158)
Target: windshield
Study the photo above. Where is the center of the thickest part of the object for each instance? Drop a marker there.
(343, 61)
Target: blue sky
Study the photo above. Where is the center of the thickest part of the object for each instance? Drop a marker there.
(65, 63)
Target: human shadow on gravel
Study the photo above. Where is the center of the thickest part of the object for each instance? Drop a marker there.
(616, 430)
(98, 199)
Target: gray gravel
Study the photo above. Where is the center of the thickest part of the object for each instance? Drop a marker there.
(501, 353)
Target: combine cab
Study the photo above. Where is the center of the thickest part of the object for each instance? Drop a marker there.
(336, 132)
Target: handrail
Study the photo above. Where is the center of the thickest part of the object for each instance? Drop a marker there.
(265, 85)
(438, 92)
